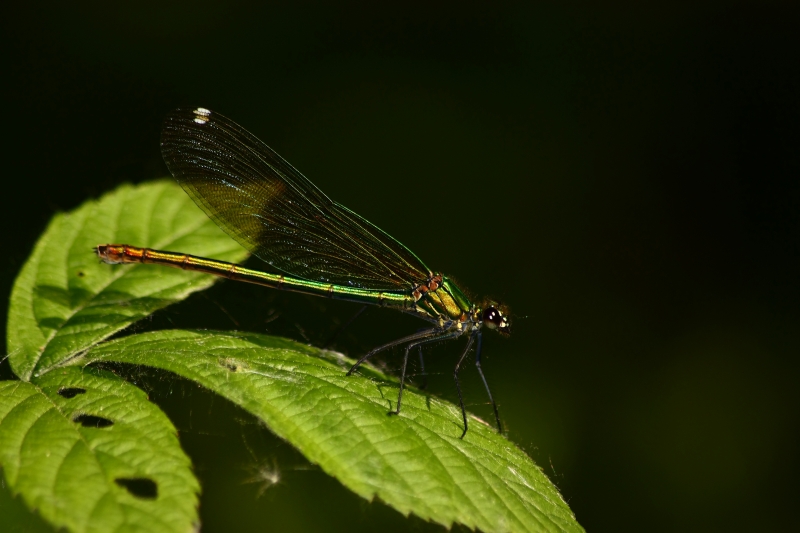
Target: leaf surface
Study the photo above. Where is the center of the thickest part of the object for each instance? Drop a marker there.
(90, 453)
(415, 462)
(65, 300)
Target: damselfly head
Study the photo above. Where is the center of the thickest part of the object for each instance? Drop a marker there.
(495, 316)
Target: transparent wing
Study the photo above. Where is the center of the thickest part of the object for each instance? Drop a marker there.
(274, 211)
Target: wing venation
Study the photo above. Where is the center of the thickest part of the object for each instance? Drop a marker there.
(274, 211)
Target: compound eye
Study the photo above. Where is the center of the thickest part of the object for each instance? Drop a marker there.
(492, 318)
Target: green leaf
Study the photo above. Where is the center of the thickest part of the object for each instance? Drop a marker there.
(415, 462)
(91, 453)
(65, 300)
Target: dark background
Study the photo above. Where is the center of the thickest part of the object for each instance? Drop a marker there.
(625, 178)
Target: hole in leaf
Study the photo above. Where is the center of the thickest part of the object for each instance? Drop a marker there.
(141, 487)
(91, 421)
(70, 392)
(230, 366)
(81, 274)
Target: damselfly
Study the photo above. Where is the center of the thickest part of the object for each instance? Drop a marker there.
(313, 244)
